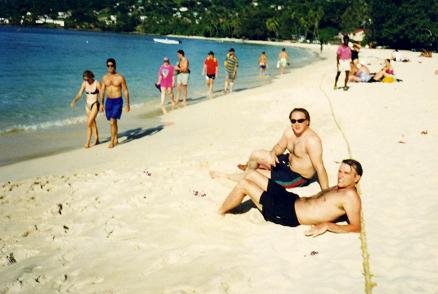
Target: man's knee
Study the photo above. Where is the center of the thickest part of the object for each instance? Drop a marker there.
(113, 122)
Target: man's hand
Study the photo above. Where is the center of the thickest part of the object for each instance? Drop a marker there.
(127, 108)
(101, 107)
(273, 159)
(316, 230)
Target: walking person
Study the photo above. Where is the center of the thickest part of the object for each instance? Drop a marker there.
(92, 89)
(210, 69)
(231, 64)
(182, 76)
(113, 84)
(343, 62)
(166, 80)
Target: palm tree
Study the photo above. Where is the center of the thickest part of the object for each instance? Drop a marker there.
(272, 26)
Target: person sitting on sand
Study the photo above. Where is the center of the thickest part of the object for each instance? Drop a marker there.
(397, 56)
(92, 89)
(321, 211)
(166, 80)
(425, 53)
(386, 71)
(362, 74)
(303, 164)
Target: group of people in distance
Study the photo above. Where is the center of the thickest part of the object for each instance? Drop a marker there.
(356, 70)
(113, 84)
(268, 173)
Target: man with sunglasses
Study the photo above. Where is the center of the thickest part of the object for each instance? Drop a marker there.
(302, 165)
(113, 84)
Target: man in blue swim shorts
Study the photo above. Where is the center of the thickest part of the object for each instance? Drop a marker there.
(322, 212)
(113, 84)
(301, 165)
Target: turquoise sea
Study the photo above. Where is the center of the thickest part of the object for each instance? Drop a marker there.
(41, 71)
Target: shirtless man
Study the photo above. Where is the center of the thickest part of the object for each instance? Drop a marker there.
(283, 60)
(113, 83)
(303, 165)
(321, 211)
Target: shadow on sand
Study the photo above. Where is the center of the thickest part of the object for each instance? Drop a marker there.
(136, 133)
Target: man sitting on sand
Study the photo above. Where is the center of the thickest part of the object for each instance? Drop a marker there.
(321, 211)
(303, 164)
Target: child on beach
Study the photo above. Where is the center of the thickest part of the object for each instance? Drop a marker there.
(210, 69)
(92, 89)
(166, 80)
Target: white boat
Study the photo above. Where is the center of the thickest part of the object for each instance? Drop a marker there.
(166, 41)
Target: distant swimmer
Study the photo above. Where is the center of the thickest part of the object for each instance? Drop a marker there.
(263, 63)
(210, 69)
(231, 64)
(166, 80)
(322, 212)
(92, 89)
(283, 60)
(113, 84)
(302, 164)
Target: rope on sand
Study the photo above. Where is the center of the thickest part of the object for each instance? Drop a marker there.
(369, 284)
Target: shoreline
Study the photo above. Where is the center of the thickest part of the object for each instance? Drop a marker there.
(82, 215)
(20, 145)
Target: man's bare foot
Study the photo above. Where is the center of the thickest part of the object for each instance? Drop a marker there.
(217, 174)
(111, 145)
(86, 146)
(242, 166)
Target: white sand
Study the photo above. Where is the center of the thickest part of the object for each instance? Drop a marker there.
(127, 220)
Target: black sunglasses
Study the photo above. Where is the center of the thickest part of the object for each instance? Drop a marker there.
(300, 121)
(110, 65)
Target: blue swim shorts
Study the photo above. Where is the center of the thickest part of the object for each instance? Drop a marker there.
(283, 175)
(113, 108)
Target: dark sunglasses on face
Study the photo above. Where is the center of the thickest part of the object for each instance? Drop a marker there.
(300, 121)
(110, 65)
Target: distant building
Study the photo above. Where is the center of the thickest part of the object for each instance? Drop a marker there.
(4, 20)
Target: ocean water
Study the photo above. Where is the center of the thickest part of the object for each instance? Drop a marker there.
(41, 71)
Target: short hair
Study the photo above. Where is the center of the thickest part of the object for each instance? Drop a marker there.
(302, 110)
(180, 51)
(89, 74)
(283, 49)
(111, 60)
(231, 50)
(355, 165)
(211, 53)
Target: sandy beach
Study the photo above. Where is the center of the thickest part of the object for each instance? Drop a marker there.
(141, 218)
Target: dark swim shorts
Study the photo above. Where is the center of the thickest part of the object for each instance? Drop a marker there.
(113, 108)
(279, 205)
(283, 175)
(211, 76)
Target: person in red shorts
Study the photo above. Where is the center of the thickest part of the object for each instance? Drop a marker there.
(210, 70)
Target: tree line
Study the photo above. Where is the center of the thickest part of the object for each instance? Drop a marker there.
(399, 24)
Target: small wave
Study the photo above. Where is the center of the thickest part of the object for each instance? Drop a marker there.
(44, 125)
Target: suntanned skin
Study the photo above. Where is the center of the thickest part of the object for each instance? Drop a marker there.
(91, 113)
(305, 152)
(319, 211)
(113, 84)
(283, 55)
(183, 67)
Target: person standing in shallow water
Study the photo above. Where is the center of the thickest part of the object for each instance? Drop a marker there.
(166, 80)
(113, 84)
(210, 69)
(92, 89)
(231, 64)
(263, 63)
(182, 70)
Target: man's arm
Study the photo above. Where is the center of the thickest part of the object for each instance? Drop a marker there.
(102, 94)
(126, 93)
(314, 149)
(279, 148)
(352, 206)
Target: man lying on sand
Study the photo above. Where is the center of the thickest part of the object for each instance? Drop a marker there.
(302, 166)
(288, 209)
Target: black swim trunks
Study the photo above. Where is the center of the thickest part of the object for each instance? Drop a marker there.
(283, 175)
(211, 76)
(279, 205)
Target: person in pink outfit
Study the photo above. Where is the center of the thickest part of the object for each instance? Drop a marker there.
(343, 62)
(166, 80)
